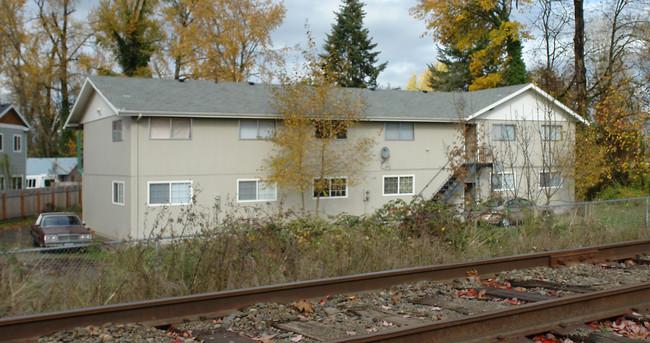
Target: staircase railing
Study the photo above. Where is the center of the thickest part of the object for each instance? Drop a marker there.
(433, 178)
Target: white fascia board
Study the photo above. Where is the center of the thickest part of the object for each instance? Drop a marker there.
(524, 89)
(27, 127)
(15, 127)
(86, 91)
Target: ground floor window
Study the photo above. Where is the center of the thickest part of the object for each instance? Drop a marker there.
(550, 179)
(256, 190)
(170, 193)
(331, 188)
(118, 192)
(31, 183)
(503, 181)
(397, 185)
(17, 182)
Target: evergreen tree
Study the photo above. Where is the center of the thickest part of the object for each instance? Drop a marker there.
(349, 57)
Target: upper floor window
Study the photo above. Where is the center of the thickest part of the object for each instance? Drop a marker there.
(255, 190)
(18, 143)
(2, 142)
(117, 130)
(170, 193)
(550, 180)
(170, 128)
(399, 131)
(551, 132)
(398, 185)
(503, 181)
(256, 129)
(331, 188)
(503, 132)
(330, 129)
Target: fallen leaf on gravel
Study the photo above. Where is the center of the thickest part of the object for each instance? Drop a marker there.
(396, 298)
(386, 307)
(481, 293)
(351, 333)
(436, 308)
(372, 330)
(304, 306)
(263, 339)
(385, 323)
(473, 275)
(296, 339)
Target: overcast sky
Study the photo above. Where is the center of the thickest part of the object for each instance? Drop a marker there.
(397, 34)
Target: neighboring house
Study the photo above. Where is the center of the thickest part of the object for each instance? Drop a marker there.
(153, 145)
(13, 147)
(48, 171)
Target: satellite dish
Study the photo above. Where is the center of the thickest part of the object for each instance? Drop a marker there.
(385, 153)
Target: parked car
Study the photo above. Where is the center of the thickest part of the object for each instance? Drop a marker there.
(511, 212)
(59, 229)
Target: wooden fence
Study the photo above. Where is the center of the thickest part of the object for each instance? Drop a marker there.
(21, 203)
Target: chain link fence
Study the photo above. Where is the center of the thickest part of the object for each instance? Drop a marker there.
(104, 268)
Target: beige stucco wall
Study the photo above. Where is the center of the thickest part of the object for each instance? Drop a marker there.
(105, 161)
(528, 154)
(215, 158)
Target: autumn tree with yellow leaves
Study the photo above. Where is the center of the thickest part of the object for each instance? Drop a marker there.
(224, 40)
(316, 149)
(482, 30)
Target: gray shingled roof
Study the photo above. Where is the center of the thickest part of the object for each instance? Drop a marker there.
(132, 96)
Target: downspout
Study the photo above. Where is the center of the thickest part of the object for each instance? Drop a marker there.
(79, 156)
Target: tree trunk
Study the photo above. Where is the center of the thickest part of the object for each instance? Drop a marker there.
(579, 58)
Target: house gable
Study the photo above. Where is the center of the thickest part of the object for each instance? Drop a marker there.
(9, 117)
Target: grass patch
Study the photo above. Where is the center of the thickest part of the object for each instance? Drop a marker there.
(281, 248)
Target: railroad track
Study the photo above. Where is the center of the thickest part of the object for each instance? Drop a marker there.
(473, 328)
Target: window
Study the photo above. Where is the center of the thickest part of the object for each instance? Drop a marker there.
(170, 193)
(17, 182)
(396, 185)
(18, 143)
(503, 132)
(503, 181)
(2, 142)
(331, 188)
(118, 192)
(551, 132)
(31, 183)
(330, 129)
(117, 130)
(170, 128)
(255, 190)
(256, 129)
(550, 180)
(399, 131)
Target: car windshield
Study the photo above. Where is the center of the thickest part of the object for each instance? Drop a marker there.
(493, 203)
(61, 221)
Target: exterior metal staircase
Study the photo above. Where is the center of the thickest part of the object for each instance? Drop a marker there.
(457, 180)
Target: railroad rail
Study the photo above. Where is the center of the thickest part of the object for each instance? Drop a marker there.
(171, 310)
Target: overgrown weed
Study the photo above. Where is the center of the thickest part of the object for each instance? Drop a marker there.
(261, 248)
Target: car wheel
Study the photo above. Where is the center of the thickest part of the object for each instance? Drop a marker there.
(505, 221)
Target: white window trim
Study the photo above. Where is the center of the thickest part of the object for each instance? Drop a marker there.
(13, 143)
(399, 132)
(121, 131)
(258, 137)
(514, 181)
(502, 139)
(113, 192)
(547, 138)
(171, 129)
(383, 185)
(347, 191)
(257, 181)
(549, 187)
(170, 189)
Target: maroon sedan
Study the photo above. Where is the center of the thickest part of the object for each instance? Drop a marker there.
(59, 229)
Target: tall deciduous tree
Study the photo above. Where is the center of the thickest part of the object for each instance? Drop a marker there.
(129, 30)
(348, 49)
(485, 31)
(314, 141)
(231, 40)
(179, 16)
